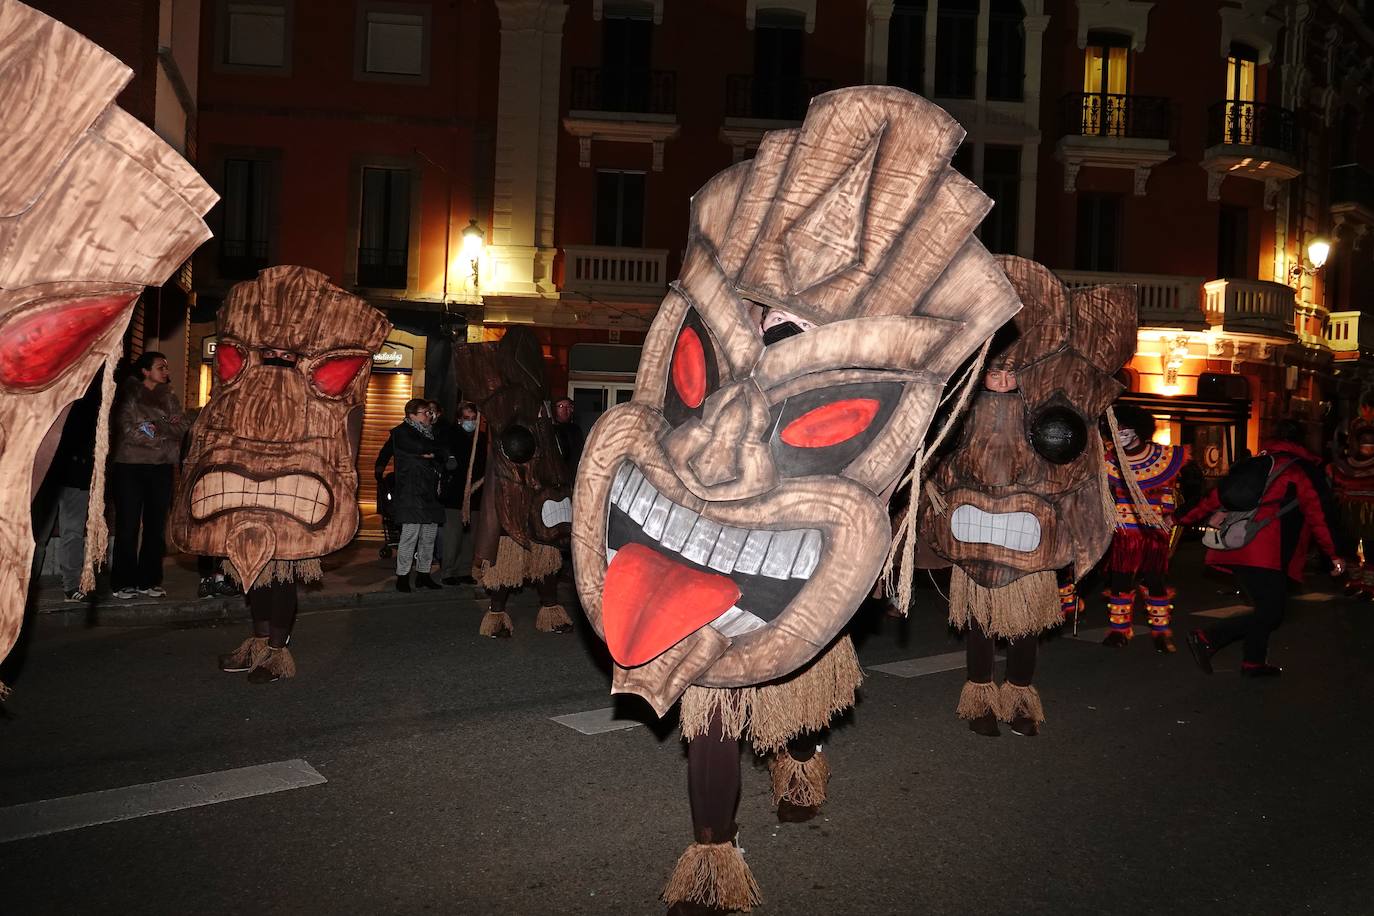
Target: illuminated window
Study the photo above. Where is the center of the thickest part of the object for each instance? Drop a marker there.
(1106, 81)
(1240, 94)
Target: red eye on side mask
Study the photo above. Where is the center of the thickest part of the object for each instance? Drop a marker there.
(228, 361)
(333, 376)
(38, 347)
(831, 424)
(689, 368)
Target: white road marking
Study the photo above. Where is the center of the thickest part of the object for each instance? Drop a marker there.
(1096, 634)
(1219, 612)
(55, 815)
(595, 721)
(916, 667)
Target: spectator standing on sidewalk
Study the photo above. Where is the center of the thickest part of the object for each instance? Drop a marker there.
(568, 435)
(419, 462)
(1277, 553)
(468, 448)
(147, 427)
(66, 492)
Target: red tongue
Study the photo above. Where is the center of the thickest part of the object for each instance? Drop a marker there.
(651, 602)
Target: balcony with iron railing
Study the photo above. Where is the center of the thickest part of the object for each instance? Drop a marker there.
(630, 92)
(1162, 300)
(1251, 140)
(1113, 130)
(1258, 308)
(605, 271)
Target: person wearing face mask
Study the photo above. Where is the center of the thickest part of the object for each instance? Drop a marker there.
(1139, 555)
(462, 474)
(419, 463)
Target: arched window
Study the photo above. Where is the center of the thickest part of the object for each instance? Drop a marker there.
(906, 45)
(1006, 50)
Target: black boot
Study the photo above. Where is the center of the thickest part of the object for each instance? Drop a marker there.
(422, 580)
(403, 583)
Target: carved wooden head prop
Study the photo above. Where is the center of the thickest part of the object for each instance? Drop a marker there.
(93, 208)
(1023, 488)
(732, 516)
(525, 479)
(272, 469)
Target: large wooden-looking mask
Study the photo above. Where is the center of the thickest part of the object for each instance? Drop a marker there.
(732, 516)
(526, 481)
(93, 208)
(272, 469)
(1023, 491)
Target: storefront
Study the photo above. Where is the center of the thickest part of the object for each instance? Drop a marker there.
(599, 377)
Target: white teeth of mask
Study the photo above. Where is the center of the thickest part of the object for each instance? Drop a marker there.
(1019, 531)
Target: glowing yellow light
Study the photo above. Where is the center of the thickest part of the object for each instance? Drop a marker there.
(1318, 252)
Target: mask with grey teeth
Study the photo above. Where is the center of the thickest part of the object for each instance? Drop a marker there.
(770, 567)
(1019, 531)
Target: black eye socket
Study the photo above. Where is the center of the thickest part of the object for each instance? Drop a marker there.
(517, 443)
(1058, 434)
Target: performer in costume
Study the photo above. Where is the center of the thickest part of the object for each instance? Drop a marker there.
(732, 516)
(270, 480)
(1139, 555)
(93, 208)
(526, 512)
(1352, 478)
(1024, 492)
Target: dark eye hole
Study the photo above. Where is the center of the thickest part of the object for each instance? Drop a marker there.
(517, 443)
(692, 373)
(823, 430)
(1059, 434)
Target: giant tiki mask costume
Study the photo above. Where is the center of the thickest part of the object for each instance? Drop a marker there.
(271, 474)
(731, 517)
(93, 208)
(1024, 490)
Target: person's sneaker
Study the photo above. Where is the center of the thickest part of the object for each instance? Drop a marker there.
(76, 596)
(227, 588)
(206, 588)
(423, 580)
(124, 594)
(985, 725)
(1116, 639)
(1024, 726)
(1201, 650)
(157, 591)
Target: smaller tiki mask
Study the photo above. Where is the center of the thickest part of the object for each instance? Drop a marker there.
(730, 519)
(526, 480)
(1023, 489)
(272, 469)
(93, 207)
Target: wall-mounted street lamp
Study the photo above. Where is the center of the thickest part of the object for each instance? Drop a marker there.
(473, 240)
(1318, 250)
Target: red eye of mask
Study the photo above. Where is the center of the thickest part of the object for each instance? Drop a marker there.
(333, 376)
(689, 368)
(229, 361)
(39, 347)
(830, 424)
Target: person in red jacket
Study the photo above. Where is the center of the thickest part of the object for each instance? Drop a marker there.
(1278, 552)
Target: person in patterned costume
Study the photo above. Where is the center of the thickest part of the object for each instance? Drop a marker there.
(1139, 556)
(1352, 477)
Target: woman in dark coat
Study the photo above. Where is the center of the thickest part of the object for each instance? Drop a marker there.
(1277, 553)
(419, 462)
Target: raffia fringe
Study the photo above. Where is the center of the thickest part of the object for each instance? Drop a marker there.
(515, 565)
(801, 782)
(770, 715)
(713, 875)
(551, 617)
(252, 651)
(280, 662)
(284, 571)
(97, 531)
(978, 699)
(494, 622)
(1021, 701)
(1026, 606)
(4, 690)
(1109, 513)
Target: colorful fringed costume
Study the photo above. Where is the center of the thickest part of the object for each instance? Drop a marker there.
(1139, 557)
(1352, 479)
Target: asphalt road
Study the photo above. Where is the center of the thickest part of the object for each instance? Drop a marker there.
(1152, 788)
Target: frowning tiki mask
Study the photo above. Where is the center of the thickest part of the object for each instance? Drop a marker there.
(729, 520)
(272, 469)
(1023, 491)
(93, 207)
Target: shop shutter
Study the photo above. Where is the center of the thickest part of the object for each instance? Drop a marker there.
(387, 393)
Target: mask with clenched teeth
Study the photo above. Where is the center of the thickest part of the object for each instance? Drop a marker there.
(731, 517)
(1023, 491)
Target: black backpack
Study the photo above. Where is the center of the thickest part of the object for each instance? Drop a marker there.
(1241, 493)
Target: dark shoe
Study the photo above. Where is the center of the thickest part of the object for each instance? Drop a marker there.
(227, 588)
(985, 725)
(451, 580)
(422, 580)
(277, 664)
(206, 588)
(1202, 650)
(1164, 644)
(403, 583)
(76, 596)
(1116, 639)
(1025, 726)
(789, 813)
(251, 653)
(1249, 669)
(466, 580)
